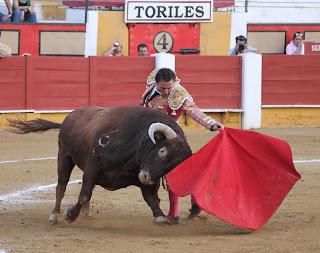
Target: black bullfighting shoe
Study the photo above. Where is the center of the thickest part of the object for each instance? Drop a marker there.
(174, 220)
(194, 211)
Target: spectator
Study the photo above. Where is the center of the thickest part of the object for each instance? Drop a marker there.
(4, 18)
(165, 93)
(142, 50)
(5, 51)
(23, 10)
(115, 50)
(241, 46)
(295, 47)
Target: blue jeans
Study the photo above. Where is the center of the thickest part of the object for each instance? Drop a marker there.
(27, 17)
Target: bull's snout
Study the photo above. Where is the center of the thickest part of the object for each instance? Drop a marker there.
(145, 178)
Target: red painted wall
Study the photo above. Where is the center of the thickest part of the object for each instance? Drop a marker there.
(183, 35)
(291, 80)
(29, 39)
(213, 81)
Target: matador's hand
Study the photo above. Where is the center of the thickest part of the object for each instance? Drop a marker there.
(217, 126)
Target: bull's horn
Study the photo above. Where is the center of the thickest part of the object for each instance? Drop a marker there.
(166, 130)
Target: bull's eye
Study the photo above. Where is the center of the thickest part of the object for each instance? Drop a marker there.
(162, 152)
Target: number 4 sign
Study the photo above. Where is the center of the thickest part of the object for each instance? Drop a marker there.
(163, 42)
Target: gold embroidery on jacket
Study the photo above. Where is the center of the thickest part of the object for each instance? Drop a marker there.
(178, 96)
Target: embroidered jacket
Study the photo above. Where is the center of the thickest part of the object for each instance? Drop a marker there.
(178, 102)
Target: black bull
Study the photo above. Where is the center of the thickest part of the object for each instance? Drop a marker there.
(115, 148)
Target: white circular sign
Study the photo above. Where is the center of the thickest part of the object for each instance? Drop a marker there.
(163, 42)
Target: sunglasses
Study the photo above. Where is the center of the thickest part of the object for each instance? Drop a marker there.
(298, 34)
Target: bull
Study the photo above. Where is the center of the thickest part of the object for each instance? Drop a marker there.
(115, 148)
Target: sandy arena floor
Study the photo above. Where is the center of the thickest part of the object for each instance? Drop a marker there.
(122, 222)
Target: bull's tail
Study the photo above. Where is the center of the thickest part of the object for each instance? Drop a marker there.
(29, 126)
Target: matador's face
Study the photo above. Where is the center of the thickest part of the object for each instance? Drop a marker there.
(164, 88)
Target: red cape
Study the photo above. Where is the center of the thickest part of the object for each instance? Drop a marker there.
(239, 176)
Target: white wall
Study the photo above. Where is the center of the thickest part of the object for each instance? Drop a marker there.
(280, 11)
(272, 12)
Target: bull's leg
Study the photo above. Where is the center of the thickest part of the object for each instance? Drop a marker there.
(65, 166)
(85, 209)
(150, 195)
(88, 183)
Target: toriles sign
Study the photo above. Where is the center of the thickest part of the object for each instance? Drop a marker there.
(168, 11)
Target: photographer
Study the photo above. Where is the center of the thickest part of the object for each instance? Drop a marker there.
(115, 50)
(241, 46)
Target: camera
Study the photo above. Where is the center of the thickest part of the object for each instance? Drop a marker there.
(242, 47)
(116, 44)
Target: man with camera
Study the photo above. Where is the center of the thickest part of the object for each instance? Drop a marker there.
(241, 46)
(115, 50)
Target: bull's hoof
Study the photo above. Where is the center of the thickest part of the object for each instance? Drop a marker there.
(53, 218)
(72, 214)
(162, 220)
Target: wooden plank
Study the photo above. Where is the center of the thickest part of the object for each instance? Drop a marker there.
(62, 62)
(129, 75)
(214, 89)
(61, 76)
(93, 81)
(285, 87)
(125, 63)
(291, 99)
(58, 103)
(29, 103)
(230, 102)
(214, 76)
(12, 63)
(13, 76)
(61, 90)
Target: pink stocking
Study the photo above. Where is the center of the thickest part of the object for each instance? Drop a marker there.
(174, 205)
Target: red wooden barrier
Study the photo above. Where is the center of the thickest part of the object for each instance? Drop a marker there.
(13, 83)
(213, 81)
(57, 82)
(291, 80)
(122, 80)
(60, 83)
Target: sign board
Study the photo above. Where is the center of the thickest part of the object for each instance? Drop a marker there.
(311, 47)
(163, 42)
(175, 11)
(167, 38)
